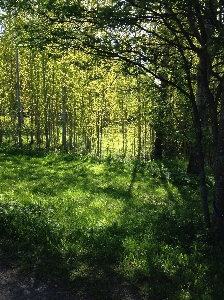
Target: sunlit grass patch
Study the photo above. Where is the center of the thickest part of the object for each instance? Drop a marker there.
(87, 221)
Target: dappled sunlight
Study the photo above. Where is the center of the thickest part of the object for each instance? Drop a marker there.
(83, 215)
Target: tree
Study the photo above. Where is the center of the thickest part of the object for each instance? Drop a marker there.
(182, 40)
(193, 33)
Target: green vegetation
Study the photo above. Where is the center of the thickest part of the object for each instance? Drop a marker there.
(116, 83)
(134, 78)
(95, 225)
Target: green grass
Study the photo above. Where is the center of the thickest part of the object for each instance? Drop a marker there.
(96, 225)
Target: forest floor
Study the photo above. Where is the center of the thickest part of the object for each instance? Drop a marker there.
(16, 285)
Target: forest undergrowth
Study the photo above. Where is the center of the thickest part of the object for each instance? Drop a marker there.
(90, 223)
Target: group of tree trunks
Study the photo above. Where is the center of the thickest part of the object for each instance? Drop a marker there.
(177, 42)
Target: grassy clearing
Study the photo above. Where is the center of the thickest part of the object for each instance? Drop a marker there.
(95, 226)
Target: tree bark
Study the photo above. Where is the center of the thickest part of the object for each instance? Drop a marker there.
(75, 128)
(201, 167)
(218, 215)
(19, 124)
(158, 152)
(1, 133)
(46, 104)
(64, 119)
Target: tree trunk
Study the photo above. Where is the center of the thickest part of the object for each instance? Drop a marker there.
(193, 164)
(203, 189)
(70, 123)
(19, 124)
(37, 124)
(1, 133)
(158, 152)
(159, 140)
(200, 157)
(139, 130)
(99, 132)
(75, 130)
(31, 129)
(64, 120)
(124, 129)
(46, 106)
(218, 215)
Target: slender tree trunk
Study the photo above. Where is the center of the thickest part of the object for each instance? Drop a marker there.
(159, 139)
(1, 132)
(146, 133)
(32, 99)
(134, 143)
(37, 123)
(87, 142)
(31, 129)
(98, 137)
(58, 127)
(139, 141)
(75, 130)
(70, 123)
(19, 124)
(124, 129)
(46, 104)
(139, 130)
(64, 120)
(101, 134)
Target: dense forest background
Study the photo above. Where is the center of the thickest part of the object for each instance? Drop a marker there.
(78, 102)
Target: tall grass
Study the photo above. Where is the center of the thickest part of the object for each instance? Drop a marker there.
(94, 226)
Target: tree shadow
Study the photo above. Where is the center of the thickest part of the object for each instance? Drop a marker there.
(27, 236)
(92, 262)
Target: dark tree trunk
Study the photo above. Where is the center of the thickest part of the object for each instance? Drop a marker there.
(200, 162)
(158, 151)
(218, 215)
(193, 164)
(203, 189)
(201, 172)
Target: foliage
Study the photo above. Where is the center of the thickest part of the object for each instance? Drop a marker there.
(96, 93)
(75, 220)
(177, 46)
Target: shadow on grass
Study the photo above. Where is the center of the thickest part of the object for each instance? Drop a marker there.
(87, 267)
(153, 250)
(90, 267)
(27, 235)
